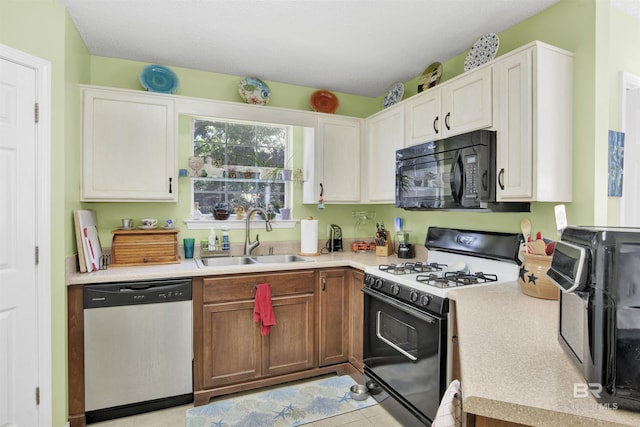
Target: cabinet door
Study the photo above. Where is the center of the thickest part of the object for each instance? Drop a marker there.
(466, 103)
(513, 98)
(232, 345)
(385, 135)
(334, 316)
(128, 147)
(338, 159)
(423, 117)
(357, 320)
(289, 347)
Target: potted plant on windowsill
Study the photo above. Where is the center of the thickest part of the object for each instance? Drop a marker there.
(285, 173)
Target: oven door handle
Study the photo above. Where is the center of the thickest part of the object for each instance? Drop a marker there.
(407, 309)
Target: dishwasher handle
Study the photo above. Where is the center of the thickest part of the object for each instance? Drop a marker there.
(133, 293)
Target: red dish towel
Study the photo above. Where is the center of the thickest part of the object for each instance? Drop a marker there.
(262, 309)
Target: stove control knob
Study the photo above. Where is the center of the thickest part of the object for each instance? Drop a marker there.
(378, 283)
(424, 300)
(413, 296)
(395, 289)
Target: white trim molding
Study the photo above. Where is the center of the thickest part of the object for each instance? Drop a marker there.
(236, 224)
(628, 81)
(42, 68)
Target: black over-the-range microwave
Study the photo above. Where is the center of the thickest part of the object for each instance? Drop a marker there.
(451, 174)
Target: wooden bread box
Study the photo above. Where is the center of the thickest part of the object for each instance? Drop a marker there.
(144, 247)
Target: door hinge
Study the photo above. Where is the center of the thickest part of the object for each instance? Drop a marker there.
(37, 255)
(37, 112)
(37, 395)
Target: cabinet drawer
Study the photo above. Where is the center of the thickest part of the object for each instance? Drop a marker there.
(233, 288)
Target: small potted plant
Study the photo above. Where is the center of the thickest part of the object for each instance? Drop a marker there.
(285, 173)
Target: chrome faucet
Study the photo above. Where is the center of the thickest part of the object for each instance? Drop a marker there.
(248, 244)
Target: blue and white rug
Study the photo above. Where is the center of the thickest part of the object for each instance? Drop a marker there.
(286, 406)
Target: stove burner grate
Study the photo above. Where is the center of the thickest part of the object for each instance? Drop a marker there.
(455, 278)
(411, 267)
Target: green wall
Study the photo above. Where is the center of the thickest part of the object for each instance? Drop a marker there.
(124, 74)
(42, 28)
(569, 25)
(603, 40)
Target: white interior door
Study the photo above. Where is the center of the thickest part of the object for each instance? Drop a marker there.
(630, 202)
(18, 300)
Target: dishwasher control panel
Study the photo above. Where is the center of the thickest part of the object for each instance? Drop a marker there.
(132, 293)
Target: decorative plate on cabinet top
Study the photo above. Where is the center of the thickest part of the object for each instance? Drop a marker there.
(324, 101)
(393, 96)
(254, 91)
(157, 78)
(482, 51)
(430, 77)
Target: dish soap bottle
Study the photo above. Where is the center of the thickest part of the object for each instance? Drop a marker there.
(225, 239)
(212, 239)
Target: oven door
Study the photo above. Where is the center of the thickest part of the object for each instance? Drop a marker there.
(405, 352)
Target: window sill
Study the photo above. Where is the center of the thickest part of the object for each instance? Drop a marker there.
(232, 224)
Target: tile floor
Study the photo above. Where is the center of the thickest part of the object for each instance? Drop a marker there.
(373, 416)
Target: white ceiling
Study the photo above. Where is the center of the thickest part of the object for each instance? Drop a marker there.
(360, 47)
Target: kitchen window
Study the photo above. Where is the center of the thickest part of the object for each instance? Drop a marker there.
(242, 165)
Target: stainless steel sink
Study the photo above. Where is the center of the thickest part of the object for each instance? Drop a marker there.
(247, 260)
(225, 261)
(278, 259)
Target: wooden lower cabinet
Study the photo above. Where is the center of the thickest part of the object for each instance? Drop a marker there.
(290, 345)
(232, 350)
(318, 331)
(235, 351)
(334, 295)
(231, 355)
(356, 319)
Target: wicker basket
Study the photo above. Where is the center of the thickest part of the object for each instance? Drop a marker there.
(533, 277)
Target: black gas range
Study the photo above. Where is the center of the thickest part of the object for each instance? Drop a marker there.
(407, 335)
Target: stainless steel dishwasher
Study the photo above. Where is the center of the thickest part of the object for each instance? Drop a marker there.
(138, 347)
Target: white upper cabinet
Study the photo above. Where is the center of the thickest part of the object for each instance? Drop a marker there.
(467, 103)
(334, 168)
(129, 150)
(460, 105)
(385, 135)
(533, 101)
(423, 117)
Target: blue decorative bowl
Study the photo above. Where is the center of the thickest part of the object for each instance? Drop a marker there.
(157, 78)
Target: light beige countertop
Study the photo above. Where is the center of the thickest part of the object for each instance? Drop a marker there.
(512, 367)
(188, 268)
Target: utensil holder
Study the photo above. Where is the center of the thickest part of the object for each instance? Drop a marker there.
(533, 278)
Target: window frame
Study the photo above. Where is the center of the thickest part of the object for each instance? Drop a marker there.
(206, 220)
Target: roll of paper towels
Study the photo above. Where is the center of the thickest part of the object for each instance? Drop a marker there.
(309, 236)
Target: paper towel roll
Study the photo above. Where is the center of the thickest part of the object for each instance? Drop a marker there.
(309, 236)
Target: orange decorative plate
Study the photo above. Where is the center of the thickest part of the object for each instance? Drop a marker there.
(324, 101)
